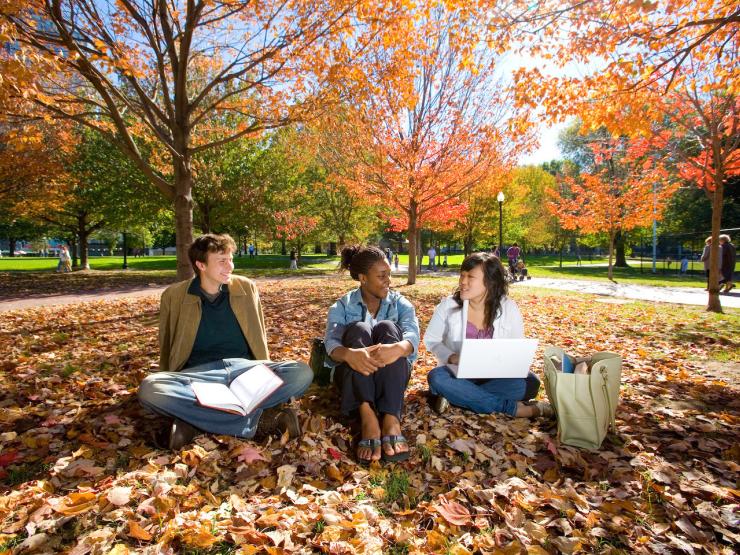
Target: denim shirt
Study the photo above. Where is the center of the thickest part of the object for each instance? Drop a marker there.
(351, 308)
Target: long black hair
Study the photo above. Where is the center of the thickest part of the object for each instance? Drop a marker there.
(358, 260)
(494, 278)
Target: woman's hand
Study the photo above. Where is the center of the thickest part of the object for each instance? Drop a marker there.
(361, 360)
(454, 358)
(385, 354)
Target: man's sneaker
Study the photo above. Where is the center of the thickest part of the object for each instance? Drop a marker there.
(181, 433)
(440, 404)
(278, 420)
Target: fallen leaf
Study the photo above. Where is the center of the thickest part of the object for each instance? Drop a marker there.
(74, 503)
(249, 454)
(136, 531)
(453, 512)
(119, 496)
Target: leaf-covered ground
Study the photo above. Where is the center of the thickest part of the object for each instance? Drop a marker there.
(80, 472)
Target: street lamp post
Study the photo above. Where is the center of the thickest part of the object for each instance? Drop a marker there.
(500, 199)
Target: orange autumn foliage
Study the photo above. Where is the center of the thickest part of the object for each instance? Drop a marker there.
(628, 188)
(165, 84)
(419, 143)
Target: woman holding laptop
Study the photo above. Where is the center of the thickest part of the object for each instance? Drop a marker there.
(372, 338)
(491, 314)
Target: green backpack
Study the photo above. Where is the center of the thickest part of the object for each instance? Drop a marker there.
(585, 404)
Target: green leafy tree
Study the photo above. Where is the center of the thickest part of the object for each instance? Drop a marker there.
(103, 189)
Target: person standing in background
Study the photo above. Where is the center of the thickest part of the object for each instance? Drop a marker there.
(727, 262)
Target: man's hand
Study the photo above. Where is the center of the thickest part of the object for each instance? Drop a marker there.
(361, 360)
(454, 358)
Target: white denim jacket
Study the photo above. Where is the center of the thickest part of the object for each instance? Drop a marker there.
(445, 332)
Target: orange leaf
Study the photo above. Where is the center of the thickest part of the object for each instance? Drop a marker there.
(136, 531)
(75, 503)
(453, 512)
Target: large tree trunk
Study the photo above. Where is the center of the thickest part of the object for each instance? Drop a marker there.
(73, 252)
(11, 246)
(621, 260)
(468, 243)
(713, 303)
(412, 245)
(183, 218)
(82, 237)
(419, 247)
(610, 273)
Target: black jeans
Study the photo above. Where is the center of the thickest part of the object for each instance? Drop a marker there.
(383, 389)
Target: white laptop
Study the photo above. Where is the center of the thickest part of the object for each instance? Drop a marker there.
(495, 358)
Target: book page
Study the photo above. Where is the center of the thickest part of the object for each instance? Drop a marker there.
(217, 396)
(254, 386)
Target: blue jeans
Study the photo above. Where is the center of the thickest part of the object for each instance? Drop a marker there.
(170, 394)
(483, 396)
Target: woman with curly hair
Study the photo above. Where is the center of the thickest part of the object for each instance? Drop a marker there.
(372, 339)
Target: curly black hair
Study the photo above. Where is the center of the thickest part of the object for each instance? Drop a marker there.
(358, 259)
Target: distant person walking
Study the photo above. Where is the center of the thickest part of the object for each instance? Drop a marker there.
(513, 255)
(728, 259)
(65, 261)
(705, 258)
(293, 260)
(432, 253)
(395, 261)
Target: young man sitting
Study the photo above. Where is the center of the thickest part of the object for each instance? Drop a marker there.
(211, 329)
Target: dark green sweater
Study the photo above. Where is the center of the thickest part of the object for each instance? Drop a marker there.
(219, 335)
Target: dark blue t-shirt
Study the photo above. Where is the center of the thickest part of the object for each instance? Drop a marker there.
(219, 335)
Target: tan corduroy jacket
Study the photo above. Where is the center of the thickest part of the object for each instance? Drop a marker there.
(180, 313)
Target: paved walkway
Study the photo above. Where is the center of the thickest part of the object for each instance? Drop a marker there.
(53, 300)
(679, 295)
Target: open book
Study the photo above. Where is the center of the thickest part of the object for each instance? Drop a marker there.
(242, 395)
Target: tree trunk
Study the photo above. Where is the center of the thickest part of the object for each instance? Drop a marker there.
(205, 217)
(468, 243)
(183, 218)
(419, 247)
(82, 236)
(621, 260)
(73, 252)
(283, 249)
(610, 273)
(713, 303)
(11, 246)
(412, 245)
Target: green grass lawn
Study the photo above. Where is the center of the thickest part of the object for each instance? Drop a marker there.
(148, 263)
(275, 264)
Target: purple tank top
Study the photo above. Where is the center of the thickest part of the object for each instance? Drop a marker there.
(471, 332)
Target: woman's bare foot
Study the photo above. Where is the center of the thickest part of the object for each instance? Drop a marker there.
(526, 411)
(370, 429)
(392, 427)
